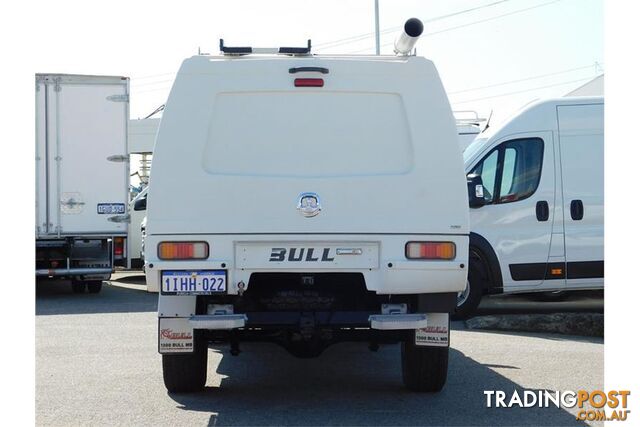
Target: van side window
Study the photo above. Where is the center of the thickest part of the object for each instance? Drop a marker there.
(520, 169)
(512, 170)
(488, 169)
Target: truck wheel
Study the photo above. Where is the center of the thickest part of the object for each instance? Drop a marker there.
(184, 373)
(424, 369)
(469, 299)
(94, 286)
(78, 287)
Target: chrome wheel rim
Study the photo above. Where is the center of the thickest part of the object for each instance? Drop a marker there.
(464, 295)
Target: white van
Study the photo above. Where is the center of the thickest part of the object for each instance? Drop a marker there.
(539, 222)
(306, 200)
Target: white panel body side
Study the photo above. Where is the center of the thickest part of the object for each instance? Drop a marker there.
(142, 135)
(41, 159)
(581, 131)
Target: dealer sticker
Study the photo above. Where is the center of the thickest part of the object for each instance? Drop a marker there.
(436, 334)
(175, 335)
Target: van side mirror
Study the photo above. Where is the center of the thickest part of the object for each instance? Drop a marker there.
(476, 191)
(140, 204)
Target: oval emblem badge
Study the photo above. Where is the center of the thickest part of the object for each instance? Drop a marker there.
(309, 204)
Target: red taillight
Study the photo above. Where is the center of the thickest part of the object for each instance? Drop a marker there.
(430, 250)
(308, 82)
(118, 246)
(183, 250)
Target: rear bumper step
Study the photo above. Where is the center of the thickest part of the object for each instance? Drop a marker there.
(376, 321)
(218, 321)
(398, 321)
(72, 271)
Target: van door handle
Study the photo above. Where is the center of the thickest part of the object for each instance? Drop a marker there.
(577, 210)
(542, 210)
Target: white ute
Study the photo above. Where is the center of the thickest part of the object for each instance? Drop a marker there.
(307, 200)
(538, 219)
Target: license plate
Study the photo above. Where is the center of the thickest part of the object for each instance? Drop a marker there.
(194, 282)
(111, 208)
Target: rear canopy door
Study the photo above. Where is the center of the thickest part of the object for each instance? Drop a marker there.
(240, 143)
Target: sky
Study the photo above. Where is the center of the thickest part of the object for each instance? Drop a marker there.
(548, 47)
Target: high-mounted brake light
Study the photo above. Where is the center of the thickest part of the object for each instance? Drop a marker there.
(183, 250)
(430, 250)
(308, 82)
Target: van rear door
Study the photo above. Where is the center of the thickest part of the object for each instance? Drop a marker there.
(81, 148)
(581, 135)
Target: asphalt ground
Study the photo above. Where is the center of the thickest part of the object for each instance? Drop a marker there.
(97, 364)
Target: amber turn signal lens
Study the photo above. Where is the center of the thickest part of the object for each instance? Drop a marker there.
(183, 250)
(430, 250)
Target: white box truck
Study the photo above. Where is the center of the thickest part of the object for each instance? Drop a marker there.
(82, 177)
(306, 200)
(537, 201)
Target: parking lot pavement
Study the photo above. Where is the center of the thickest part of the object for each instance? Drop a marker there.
(96, 364)
(569, 302)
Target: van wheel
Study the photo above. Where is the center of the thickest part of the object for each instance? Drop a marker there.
(469, 299)
(424, 369)
(78, 287)
(185, 373)
(94, 286)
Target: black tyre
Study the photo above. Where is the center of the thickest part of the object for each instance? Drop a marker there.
(550, 296)
(469, 299)
(185, 373)
(424, 369)
(94, 286)
(78, 287)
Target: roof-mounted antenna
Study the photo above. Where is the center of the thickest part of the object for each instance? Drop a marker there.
(156, 111)
(488, 120)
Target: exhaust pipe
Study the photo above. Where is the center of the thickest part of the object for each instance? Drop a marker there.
(409, 37)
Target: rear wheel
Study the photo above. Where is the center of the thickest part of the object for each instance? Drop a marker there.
(94, 286)
(424, 369)
(184, 373)
(78, 287)
(469, 299)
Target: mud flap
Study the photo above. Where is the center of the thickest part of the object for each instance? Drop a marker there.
(175, 335)
(436, 334)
